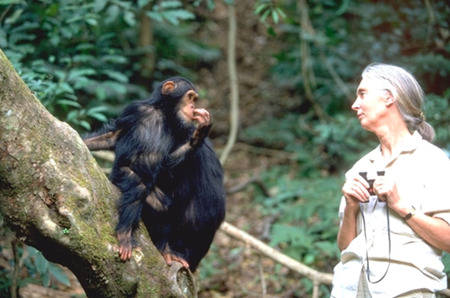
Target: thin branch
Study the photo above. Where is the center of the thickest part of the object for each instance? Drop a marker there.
(15, 277)
(234, 88)
(316, 276)
(255, 180)
(431, 22)
(337, 79)
(279, 154)
(306, 70)
(263, 280)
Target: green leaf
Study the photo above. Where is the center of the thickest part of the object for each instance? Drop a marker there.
(98, 109)
(32, 251)
(59, 274)
(115, 75)
(96, 113)
(280, 12)
(41, 263)
(309, 259)
(15, 16)
(130, 18)
(156, 16)
(112, 13)
(80, 72)
(275, 16)
(99, 117)
(264, 15)
(64, 87)
(72, 115)
(8, 2)
(174, 16)
(114, 59)
(91, 21)
(65, 102)
(170, 4)
(142, 3)
(343, 8)
(99, 5)
(46, 278)
(85, 125)
(260, 8)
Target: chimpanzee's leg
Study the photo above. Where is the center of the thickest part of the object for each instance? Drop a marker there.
(134, 194)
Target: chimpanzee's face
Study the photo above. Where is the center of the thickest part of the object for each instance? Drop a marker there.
(187, 107)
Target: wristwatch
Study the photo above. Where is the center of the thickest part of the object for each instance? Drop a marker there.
(411, 213)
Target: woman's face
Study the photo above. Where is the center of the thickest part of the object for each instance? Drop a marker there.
(370, 103)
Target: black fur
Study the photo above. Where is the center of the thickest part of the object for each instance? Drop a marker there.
(168, 173)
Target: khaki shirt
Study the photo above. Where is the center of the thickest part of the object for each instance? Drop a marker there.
(422, 174)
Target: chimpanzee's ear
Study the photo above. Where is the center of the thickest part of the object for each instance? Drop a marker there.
(168, 87)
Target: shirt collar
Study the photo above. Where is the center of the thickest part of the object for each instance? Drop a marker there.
(409, 144)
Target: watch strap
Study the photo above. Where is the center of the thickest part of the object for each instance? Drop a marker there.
(411, 213)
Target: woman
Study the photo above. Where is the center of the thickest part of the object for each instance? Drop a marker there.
(392, 240)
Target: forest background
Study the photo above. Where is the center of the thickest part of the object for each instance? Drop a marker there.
(298, 64)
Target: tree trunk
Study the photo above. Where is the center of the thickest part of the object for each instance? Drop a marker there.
(55, 197)
(146, 42)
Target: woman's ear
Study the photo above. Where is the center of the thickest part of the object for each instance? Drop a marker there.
(389, 98)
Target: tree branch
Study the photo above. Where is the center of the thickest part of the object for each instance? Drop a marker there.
(316, 276)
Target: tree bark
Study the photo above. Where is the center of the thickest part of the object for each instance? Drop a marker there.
(55, 197)
(146, 42)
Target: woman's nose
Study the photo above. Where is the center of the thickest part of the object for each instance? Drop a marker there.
(355, 105)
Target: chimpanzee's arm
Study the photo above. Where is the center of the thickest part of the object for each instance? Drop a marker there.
(180, 154)
(106, 141)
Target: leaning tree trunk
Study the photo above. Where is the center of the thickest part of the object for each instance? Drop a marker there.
(55, 197)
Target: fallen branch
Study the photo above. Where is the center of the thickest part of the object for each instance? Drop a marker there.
(316, 276)
(241, 186)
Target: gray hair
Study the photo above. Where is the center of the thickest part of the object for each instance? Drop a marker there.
(408, 94)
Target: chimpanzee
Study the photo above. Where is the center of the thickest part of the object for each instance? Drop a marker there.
(167, 172)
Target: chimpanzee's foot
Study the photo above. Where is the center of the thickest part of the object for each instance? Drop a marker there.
(125, 245)
(169, 257)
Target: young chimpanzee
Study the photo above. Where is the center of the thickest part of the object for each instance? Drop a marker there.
(167, 171)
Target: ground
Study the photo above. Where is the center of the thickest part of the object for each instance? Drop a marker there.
(245, 273)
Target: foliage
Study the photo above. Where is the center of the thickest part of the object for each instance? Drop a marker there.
(333, 144)
(306, 218)
(437, 111)
(266, 8)
(341, 39)
(46, 269)
(33, 267)
(307, 223)
(171, 11)
(82, 58)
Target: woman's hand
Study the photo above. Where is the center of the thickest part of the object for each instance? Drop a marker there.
(386, 190)
(355, 190)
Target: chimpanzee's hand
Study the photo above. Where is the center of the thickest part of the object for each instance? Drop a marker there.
(204, 125)
(202, 116)
(200, 134)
